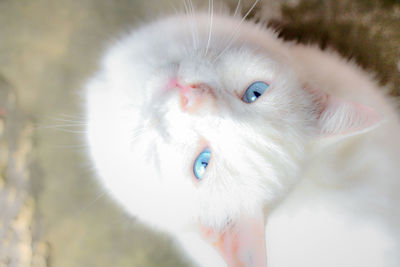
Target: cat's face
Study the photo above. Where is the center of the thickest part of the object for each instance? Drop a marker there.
(162, 97)
(192, 129)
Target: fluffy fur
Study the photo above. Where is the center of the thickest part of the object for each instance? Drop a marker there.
(326, 176)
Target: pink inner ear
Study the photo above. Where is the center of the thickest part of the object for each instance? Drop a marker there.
(342, 117)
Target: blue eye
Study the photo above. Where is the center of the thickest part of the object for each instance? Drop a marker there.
(254, 91)
(201, 162)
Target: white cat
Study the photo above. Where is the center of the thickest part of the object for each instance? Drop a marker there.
(250, 151)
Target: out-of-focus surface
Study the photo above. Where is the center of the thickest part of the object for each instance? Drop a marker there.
(366, 31)
(49, 48)
(20, 244)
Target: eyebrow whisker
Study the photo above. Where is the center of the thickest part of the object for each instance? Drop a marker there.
(237, 8)
(237, 30)
(211, 11)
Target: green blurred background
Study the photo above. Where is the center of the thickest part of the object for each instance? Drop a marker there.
(49, 48)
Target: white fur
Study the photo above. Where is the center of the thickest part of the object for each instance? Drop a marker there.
(334, 203)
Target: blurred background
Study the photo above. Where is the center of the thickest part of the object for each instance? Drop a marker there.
(52, 211)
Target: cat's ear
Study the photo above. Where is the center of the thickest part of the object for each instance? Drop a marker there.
(339, 117)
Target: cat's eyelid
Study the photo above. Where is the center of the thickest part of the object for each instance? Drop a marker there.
(240, 92)
(254, 82)
(202, 147)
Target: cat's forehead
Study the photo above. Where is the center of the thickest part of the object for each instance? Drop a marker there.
(222, 39)
(229, 53)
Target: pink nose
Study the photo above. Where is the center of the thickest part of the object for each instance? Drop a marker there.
(191, 96)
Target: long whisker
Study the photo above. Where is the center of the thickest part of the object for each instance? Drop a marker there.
(78, 132)
(71, 146)
(237, 9)
(196, 33)
(58, 126)
(173, 7)
(67, 118)
(185, 6)
(189, 15)
(237, 30)
(90, 204)
(64, 125)
(70, 121)
(211, 11)
(140, 131)
(72, 116)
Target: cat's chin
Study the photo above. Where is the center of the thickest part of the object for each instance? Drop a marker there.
(241, 244)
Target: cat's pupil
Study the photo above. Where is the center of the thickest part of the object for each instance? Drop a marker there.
(257, 94)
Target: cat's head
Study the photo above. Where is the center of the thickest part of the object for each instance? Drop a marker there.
(193, 122)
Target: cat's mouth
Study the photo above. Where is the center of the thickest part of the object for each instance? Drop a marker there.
(242, 245)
